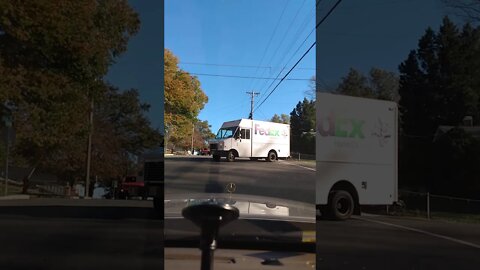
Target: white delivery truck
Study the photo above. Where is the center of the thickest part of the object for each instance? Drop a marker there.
(356, 154)
(252, 139)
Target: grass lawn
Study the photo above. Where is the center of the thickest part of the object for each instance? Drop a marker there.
(454, 217)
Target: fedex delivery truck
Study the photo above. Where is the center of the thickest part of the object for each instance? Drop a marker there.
(252, 139)
(356, 154)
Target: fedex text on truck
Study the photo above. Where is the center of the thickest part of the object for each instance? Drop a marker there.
(269, 131)
(356, 154)
(340, 127)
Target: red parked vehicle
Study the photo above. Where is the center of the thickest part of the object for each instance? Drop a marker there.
(205, 152)
(132, 188)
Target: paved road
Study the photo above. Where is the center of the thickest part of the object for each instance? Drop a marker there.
(378, 242)
(77, 234)
(276, 179)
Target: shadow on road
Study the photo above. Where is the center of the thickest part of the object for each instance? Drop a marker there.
(87, 212)
(209, 159)
(213, 185)
(189, 159)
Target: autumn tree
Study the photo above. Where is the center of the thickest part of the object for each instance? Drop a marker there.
(123, 133)
(183, 101)
(203, 134)
(53, 55)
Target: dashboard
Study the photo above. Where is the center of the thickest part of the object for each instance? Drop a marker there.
(189, 258)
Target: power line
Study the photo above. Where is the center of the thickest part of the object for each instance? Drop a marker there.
(270, 41)
(295, 38)
(303, 42)
(245, 77)
(300, 46)
(235, 65)
(222, 65)
(286, 75)
(284, 36)
(318, 24)
(328, 14)
(288, 30)
(313, 44)
(264, 116)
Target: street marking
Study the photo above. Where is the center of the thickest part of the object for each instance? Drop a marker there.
(310, 169)
(458, 241)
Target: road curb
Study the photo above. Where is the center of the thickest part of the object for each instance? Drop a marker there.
(15, 197)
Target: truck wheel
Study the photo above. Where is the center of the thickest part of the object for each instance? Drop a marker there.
(272, 156)
(341, 205)
(216, 157)
(230, 156)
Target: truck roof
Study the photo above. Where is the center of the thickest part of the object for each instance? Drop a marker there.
(357, 99)
(238, 122)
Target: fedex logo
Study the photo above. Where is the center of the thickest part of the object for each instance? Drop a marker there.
(340, 127)
(269, 131)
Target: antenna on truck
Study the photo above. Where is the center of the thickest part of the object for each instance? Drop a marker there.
(252, 96)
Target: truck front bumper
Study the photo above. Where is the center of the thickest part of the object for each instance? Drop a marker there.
(221, 153)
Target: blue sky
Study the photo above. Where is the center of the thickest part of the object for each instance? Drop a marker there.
(373, 33)
(237, 33)
(140, 66)
(359, 34)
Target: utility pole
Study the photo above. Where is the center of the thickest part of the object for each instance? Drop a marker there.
(7, 144)
(165, 138)
(252, 95)
(7, 121)
(89, 151)
(193, 131)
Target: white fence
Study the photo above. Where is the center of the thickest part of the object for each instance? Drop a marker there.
(300, 156)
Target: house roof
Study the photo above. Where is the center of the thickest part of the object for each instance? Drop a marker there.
(18, 173)
(474, 131)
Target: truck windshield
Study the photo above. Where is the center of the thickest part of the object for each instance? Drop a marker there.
(226, 132)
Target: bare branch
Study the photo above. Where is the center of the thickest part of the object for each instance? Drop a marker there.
(468, 9)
